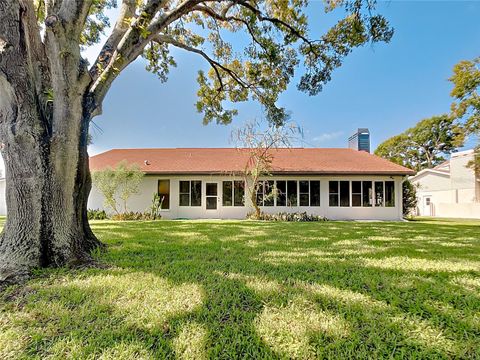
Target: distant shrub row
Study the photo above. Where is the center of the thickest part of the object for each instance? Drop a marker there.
(130, 215)
(284, 216)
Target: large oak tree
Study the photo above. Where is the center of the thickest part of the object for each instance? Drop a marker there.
(424, 145)
(466, 92)
(49, 93)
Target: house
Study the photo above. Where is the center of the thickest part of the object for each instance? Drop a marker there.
(337, 183)
(451, 189)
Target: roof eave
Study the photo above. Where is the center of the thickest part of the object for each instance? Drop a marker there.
(286, 172)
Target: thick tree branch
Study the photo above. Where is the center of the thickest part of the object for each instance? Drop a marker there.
(129, 43)
(132, 44)
(74, 12)
(127, 12)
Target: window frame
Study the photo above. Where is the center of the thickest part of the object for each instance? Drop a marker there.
(311, 193)
(356, 193)
(370, 196)
(180, 193)
(334, 194)
(242, 182)
(169, 193)
(224, 182)
(190, 193)
(364, 186)
(233, 190)
(283, 194)
(268, 190)
(348, 189)
(392, 193)
(296, 194)
(375, 182)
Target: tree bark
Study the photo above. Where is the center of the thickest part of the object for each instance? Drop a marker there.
(44, 147)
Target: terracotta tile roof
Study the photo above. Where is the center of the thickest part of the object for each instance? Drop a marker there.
(230, 160)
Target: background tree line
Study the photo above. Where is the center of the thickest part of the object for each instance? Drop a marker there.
(431, 140)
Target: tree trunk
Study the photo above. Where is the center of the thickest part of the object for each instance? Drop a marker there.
(253, 200)
(44, 146)
(47, 188)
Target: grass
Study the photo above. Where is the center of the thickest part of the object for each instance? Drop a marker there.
(239, 289)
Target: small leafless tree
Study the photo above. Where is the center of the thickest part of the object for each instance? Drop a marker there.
(260, 143)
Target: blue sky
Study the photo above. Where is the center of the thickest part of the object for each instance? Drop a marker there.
(385, 87)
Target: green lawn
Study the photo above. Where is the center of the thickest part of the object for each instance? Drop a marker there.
(239, 289)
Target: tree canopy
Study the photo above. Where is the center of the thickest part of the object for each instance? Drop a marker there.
(466, 92)
(279, 43)
(425, 144)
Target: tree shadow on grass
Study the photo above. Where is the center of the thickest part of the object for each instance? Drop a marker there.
(259, 290)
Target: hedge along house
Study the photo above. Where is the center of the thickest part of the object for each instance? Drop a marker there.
(200, 183)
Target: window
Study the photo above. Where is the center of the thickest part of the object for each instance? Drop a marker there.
(333, 191)
(356, 193)
(233, 193)
(339, 193)
(314, 193)
(265, 196)
(304, 188)
(184, 193)
(268, 198)
(281, 193)
(389, 193)
(238, 193)
(211, 192)
(227, 193)
(292, 193)
(190, 193)
(364, 193)
(378, 193)
(345, 193)
(367, 193)
(164, 193)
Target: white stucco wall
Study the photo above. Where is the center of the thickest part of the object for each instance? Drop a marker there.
(454, 194)
(141, 201)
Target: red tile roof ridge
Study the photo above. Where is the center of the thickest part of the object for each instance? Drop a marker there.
(231, 159)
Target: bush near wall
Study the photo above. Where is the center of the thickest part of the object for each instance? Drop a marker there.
(95, 214)
(135, 216)
(125, 216)
(284, 216)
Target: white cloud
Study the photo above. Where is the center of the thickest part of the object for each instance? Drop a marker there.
(327, 137)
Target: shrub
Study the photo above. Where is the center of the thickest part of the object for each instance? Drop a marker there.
(409, 198)
(134, 216)
(96, 214)
(284, 216)
(156, 207)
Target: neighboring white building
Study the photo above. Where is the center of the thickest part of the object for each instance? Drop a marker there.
(449, 190)
(207, 183)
